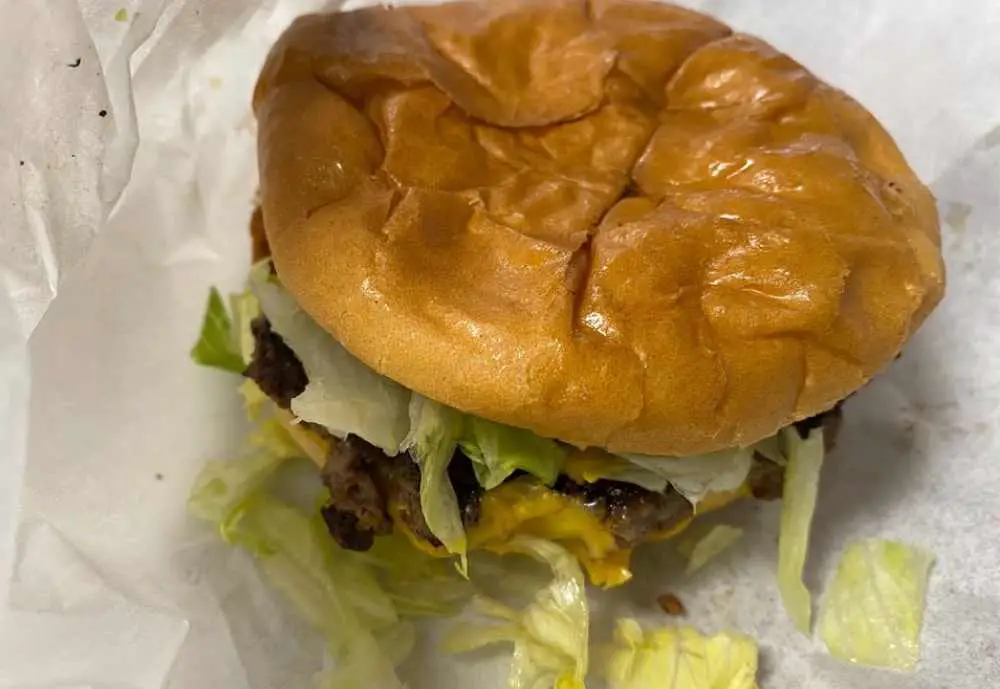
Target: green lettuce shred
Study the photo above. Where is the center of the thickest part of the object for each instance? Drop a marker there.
(550, 635)
(223, 486)
(336, 595)
(696, 476)
(701, 545)
(343, 394)
(433, 438)
(679, 658)
(497, 451)
(361, 602)
(874, 607)
(805, 460)
(418, 585)
(217, 346)
(245, 308)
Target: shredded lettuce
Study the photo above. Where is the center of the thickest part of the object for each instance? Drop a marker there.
(772, 449)
(594, 464)
(874, 607)
(549, 635)
(272, 437)
(298, 549)
(701, 545)
(254, 399)
(370, 660)
(432, 441)
(245, 308)
(679, 658)
(217, 346)
(417, 584)
(497, 451)
(513, 579)
(805, 460)
(696, 476)
(222, 486)
(343, 394)
(337, 595)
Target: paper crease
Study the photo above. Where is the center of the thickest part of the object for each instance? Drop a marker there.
(111, 568)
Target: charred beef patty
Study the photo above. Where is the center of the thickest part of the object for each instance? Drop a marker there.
(274, 366)
(630, 512)
(368, 489)
(357, 511)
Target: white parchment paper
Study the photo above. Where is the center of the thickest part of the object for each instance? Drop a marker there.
(128, 216)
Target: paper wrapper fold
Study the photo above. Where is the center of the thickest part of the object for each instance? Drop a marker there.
(127, 169)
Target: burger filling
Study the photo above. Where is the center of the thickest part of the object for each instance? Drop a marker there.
(599, 513)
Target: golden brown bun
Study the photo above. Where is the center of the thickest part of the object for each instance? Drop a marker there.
(614, 223)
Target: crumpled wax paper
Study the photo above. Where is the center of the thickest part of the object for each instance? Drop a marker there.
(126, 175)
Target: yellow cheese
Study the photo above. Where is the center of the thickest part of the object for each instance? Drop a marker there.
(608, 572)
(315, 446)
(526, 507)
(714, 501)
(592, 464)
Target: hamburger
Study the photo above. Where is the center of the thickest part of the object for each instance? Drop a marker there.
(579, 270)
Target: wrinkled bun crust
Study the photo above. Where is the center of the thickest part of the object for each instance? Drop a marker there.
(612, 222)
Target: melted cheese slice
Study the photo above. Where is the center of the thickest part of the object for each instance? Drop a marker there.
(525, 507)
(313, 444)
(591, 465)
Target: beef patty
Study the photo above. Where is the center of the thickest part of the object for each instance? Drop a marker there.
(368, 489)
(630, 512)
(275, 367)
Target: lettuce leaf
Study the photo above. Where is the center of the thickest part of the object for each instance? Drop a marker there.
(772, 449)
(343, 394)
(245, 308)
(874, 607)
(302, 561)
(805, 460)
(217, 346)
(497, 451)
(337, 595)
(594, 464)
(223, 486)
(549, 635)
(679, 658)
(432, 441)
(696, 476)
(370, 660)
(272, 437)
(701, 545)
(417, 584)
(254, 399)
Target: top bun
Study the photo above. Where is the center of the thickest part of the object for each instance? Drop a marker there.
(613, 222)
